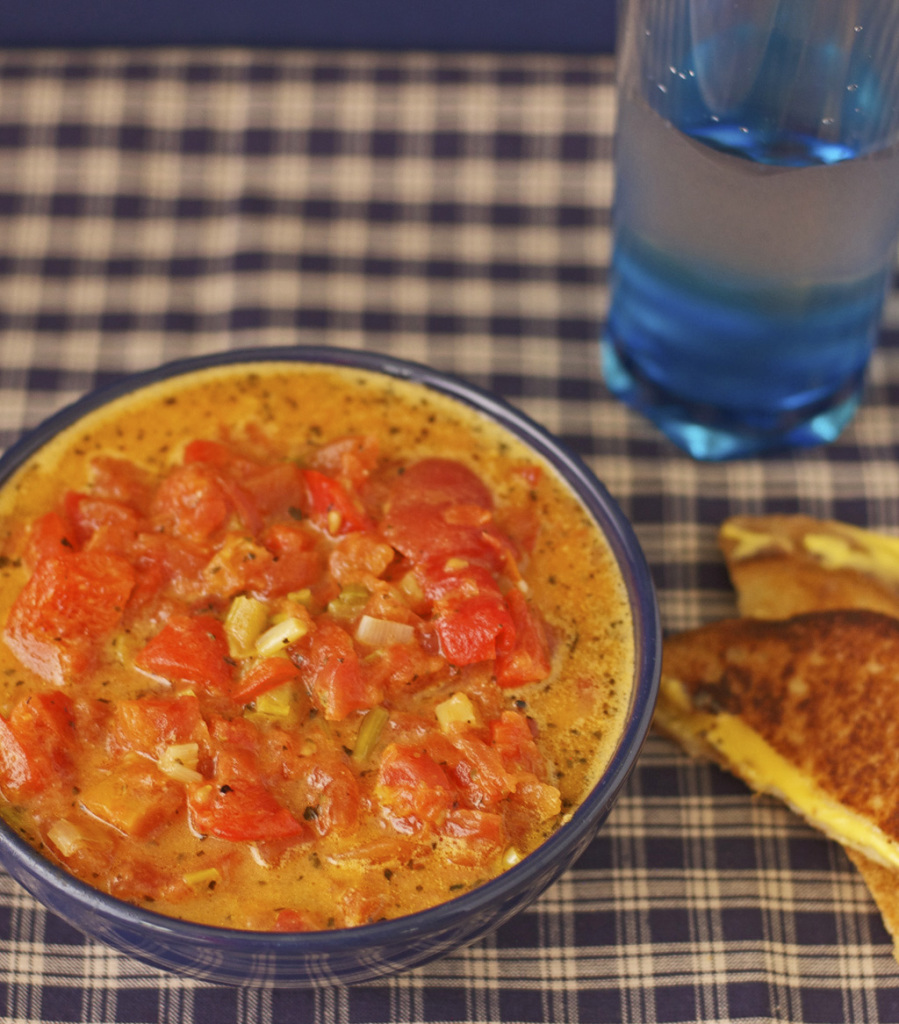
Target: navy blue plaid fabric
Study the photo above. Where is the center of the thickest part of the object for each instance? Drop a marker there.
(453, 210)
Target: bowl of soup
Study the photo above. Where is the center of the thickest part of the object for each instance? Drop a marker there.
(315, 666)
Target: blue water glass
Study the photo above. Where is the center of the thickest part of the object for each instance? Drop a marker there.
(756, 215)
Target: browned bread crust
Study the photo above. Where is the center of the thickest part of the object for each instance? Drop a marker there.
(821, 689)
(786, 565)
(778, 573)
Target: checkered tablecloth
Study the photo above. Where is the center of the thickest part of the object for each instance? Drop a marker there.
(452, 210)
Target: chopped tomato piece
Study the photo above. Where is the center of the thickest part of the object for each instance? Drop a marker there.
(285, 538)
(528, 659)
(17, 775)
(102, 523)
(136, 798)
(202, 449)
(241, 502)
(288, 561)
(348, 458)
(359, 556)
(391, 602)
(37, 743)
(332, 674)
(360, 907)
(469, 629)
(192, 649)
(49, 536)
(121, 480)
(402, 668)
(439, 482)
(439, 509)
(227, 461)
(332, 507)
(513, 737)
(480, 771)
(331, 793)
(296, 561)
(470, 614)
(480, 836)
(69, 606)
(234, 738)
(542, 800)
(150, 724)
(239, 811)
(278, 491)
(421, 532)
(162, 561)
(463, 821)
(290, 920)
(265, 675)
(191, 502)
(413, 787)
(240, 564)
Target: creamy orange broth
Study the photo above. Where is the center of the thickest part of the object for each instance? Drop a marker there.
(294, 409)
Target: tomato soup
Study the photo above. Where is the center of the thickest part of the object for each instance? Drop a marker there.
(295, 647)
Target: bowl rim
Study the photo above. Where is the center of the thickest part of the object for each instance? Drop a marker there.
(587, 817)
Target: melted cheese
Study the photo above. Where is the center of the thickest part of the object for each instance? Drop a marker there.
(876, 554)
(749, 543)
(748, 755)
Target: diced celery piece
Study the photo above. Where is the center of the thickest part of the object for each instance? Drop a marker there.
(371, 728)
(410, 586)
(65, 836)
(208, 878)
(383, 632)
(179, 762)
(349, 602)
(511, 857)
(277, 702)
(457, 709)
(245, 620)
(277, 637)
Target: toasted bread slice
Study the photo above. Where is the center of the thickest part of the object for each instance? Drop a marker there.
(787, 565)
(806, 709)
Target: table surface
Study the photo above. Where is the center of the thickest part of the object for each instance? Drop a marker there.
(453, 210)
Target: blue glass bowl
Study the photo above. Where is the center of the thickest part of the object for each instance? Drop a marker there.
(352, 955)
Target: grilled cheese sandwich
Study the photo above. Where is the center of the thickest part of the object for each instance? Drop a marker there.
(727, 739)
(834, 757)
